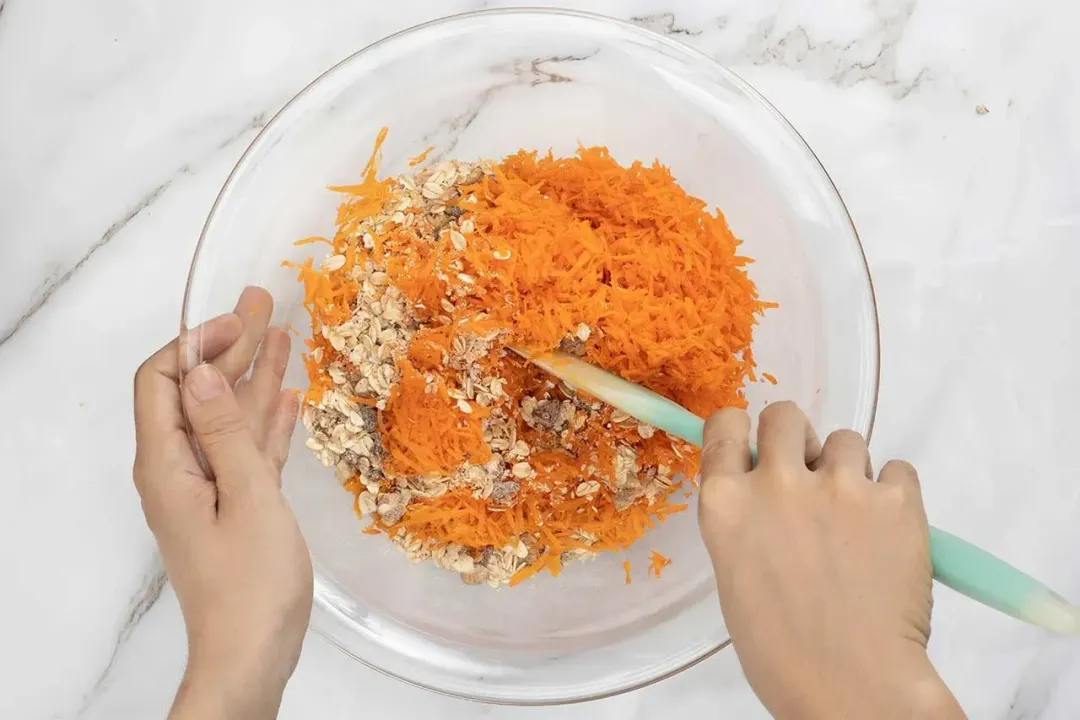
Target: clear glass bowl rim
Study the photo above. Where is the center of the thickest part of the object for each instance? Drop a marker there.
(242, 164)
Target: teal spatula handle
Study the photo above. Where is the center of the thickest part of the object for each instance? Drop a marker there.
(972, 571)
(957, 563)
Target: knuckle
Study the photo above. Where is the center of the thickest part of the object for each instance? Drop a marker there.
(893, 497)
(900, 468)
(277, 369)
(717, 449)
(782, 410)
(725, 423)
(221, 427)
(719, 504)
(846, 438)
(790, 475)
(728, 414)
(283, 348)
(855, 493)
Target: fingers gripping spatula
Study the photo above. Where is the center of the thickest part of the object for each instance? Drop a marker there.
(957, 563)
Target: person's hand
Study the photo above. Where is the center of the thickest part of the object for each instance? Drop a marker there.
(230, 543)
(824, 576)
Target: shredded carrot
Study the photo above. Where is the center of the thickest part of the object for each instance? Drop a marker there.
(312, 239)
(424, 432)
(626, 569)
(624, 250)
(291, 329)
(556, 244)
(769, 377)
(417, 159)
(657, 563)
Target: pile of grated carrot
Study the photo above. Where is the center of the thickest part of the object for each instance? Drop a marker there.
(622, 249)
(558, 243)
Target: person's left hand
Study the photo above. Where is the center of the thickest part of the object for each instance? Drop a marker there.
(231, 545)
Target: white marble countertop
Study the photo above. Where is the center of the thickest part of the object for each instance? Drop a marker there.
(952, 130)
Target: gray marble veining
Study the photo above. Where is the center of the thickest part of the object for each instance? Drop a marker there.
(951, 130)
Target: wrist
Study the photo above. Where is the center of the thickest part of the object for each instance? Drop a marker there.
(920, 695)
(930, 697)
(906, 689)
(212, 690)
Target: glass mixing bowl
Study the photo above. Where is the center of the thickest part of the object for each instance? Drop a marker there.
(482, 85)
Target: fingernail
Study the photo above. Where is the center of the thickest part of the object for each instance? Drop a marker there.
(205, 382)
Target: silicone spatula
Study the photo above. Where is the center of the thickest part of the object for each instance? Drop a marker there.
(962, 566)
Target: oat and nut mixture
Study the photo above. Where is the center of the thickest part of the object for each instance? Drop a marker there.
(453, 446)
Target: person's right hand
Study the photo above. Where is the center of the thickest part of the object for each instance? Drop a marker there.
(824, 576)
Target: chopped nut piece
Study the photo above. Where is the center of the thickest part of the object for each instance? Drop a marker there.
(587, 488)
(391, 507)
(548, 415)
(368, 505)
(572, 345)
(476, 577)
(503, 491)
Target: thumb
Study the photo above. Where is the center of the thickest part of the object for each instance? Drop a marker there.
(221, 430)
